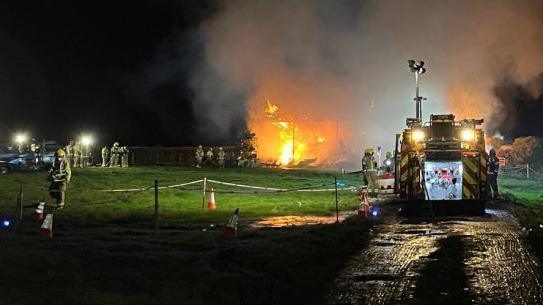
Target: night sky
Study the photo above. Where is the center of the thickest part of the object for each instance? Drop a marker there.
(68, 67)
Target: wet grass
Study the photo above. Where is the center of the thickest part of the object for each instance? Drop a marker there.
(524, 198)
(179, 206)
(105, 251)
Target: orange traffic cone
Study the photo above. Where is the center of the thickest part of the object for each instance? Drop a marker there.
(232, 225)
(38, 212)
(364, 208)
(47, 226)
(211, 203)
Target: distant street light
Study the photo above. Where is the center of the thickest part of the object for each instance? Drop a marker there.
(86, 140)
(21, 138)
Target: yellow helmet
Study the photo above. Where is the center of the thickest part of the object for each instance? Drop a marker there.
(61, 152)
(369, 151)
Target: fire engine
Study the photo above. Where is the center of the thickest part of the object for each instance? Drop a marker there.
(441, 165)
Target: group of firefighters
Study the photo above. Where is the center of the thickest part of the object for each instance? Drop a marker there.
(244, 159)
(370, 168)
(208, 157)
(79, 155)
(111, 157)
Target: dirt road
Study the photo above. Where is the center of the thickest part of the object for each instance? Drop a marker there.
(480, 260)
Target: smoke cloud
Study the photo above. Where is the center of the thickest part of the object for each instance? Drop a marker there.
(347, 60)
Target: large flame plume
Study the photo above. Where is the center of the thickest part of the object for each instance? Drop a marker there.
(287, 140)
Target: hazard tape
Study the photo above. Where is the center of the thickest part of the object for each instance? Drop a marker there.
(270, 190)
(180, 185)
(245, 186)
(150, 187)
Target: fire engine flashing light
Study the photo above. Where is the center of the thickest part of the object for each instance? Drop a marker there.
(418, 135)
(467, 135)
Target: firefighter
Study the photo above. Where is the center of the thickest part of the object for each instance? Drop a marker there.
(209, 156)
(221, 156)
(369, 168)
(492, 175)
(83, 155)
(199, 156)
(124, 156)
(105, 155)
(59, 176)
(114, 155)
(77, 154)
(388, 163)
(70, 152)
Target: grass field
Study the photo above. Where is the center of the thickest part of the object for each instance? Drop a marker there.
(525, 200)
(177, 206)
(105, 251)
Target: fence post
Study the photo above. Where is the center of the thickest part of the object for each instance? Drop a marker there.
(337, 208)
(156, 207)
(527, 170)
(21, 203)
(204, 193)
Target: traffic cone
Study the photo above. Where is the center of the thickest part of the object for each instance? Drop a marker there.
(38, 212)
(47, 226)
(211, 203)
(364, 208)
(232, 225)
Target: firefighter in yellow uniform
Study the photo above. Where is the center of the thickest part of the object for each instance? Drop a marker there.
(221, 156)
(369, 168)
(59, 176)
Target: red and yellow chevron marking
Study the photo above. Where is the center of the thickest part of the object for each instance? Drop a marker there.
(404, 162)
(484, 167)
(470, 177)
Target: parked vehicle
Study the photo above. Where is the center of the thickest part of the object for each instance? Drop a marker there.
(34, 157)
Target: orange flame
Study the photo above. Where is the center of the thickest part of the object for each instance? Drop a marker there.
(287, 141)
(271, 109)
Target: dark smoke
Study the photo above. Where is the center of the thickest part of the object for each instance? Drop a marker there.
(347, 60)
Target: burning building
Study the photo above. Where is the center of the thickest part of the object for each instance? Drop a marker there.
(289, 140)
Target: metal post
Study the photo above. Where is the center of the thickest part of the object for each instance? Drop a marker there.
(527, 170)
(156, 207)
(204, 193)
(21, 203)
(417, 99)
(337, 208)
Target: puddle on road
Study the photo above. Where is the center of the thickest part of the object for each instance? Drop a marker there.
(292, 220)
(498, 267)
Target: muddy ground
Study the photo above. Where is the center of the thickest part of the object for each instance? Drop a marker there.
(475, 260)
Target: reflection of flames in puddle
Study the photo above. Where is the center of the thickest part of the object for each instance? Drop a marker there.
(291, 220)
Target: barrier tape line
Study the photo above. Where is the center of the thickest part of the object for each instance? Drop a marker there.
(245, 186)
(180, 185)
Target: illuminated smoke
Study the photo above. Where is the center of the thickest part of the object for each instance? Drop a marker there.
(347, 60)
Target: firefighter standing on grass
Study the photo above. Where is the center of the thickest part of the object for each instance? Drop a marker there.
(221, 156)
(492, 175)
(199, 156)
(77, 154)
(59, 176)
(114, 155)
(369, 168)
(105, 155)
(209, 156)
